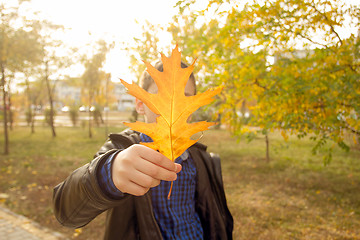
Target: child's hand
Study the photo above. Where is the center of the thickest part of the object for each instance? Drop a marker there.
(138, 168)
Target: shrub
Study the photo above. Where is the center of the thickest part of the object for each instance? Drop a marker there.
(47, 114)
(74, 115)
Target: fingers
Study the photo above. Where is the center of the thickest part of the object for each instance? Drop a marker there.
(155, 171)
(138, 183)
(155, 157)
(138, 168)
(135, 189)
(144, 180)
(178, 167)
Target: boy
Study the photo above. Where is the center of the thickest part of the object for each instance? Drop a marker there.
(131, 181)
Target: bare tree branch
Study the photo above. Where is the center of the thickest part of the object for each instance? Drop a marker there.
(310, 40)
(328, 21)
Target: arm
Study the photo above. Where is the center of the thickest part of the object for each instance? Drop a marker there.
(79, 198)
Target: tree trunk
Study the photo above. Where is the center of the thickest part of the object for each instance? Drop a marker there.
(11, 114)
(30, 110)
(6, 135)
(51, 101)
(90, 132)
(33, 122)
(267, 149)
(106, 104)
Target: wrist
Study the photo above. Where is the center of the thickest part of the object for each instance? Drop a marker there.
(106, 180)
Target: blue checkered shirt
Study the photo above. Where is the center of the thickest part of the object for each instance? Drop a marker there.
(176, 217)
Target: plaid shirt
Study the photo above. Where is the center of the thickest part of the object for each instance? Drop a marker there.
(177, 218)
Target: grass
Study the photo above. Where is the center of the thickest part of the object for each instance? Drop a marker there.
(293, 197)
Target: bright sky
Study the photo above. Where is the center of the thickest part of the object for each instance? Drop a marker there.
(111, 20)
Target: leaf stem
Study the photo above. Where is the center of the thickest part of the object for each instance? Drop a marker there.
(168, 197)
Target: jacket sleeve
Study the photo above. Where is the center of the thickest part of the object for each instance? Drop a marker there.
(79, 198)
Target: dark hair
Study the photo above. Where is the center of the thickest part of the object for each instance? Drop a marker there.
(146, 80)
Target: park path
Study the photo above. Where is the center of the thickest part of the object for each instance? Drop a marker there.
(16, 227)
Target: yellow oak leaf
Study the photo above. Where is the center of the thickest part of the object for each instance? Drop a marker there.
(171, 132)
